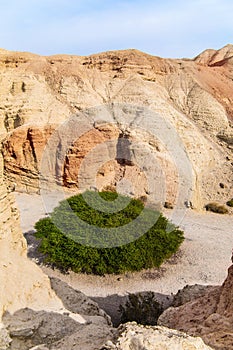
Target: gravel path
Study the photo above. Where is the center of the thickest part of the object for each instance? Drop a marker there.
(203, 258)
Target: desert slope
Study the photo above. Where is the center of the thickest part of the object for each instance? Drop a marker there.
(193, 96)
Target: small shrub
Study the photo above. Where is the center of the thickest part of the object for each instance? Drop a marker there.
(64, 250)
(144, 309)
(230, 203)
(216, 208)
(168, 205)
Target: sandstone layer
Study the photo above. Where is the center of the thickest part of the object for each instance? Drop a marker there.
(193, 96)
(22, 283)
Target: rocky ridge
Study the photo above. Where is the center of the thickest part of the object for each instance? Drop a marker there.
(27, 329)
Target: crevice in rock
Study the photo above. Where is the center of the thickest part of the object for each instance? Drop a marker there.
(30, 139)
(12, 122)
(123, 154)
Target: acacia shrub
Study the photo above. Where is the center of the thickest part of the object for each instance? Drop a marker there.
(64, 250)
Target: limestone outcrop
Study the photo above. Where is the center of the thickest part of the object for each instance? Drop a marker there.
(136, 337)
(39, 94)
(26, 329)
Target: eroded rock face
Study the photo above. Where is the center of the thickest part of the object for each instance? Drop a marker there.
(105, 152)
(22, 282)
(37, 95)
(194, 96)
(215, 57)
(210, 316)
(136, 337)
(22, 152)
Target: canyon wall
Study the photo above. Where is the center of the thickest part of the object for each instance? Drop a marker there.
(22, 283)
(39, 94)
(143, 96)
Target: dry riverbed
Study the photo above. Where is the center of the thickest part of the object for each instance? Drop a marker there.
(203, 258)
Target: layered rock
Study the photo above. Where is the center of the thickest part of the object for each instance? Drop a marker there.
(209, 316)
(193, 96)
(22, 282)
(38, 94)
(215, 57)
(22, 153)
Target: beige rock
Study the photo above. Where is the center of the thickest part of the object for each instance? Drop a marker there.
(5, 339)
(136, 337)
(196, 99)
(22, 283)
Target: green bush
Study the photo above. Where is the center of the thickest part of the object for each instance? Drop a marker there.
(66, 251)
(216, 208)
(230, 203)
(141, 308)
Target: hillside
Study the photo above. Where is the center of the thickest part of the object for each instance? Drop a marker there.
(107, 91)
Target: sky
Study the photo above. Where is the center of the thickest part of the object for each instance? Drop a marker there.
(166, 28)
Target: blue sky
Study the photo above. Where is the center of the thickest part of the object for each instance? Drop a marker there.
(165, 28)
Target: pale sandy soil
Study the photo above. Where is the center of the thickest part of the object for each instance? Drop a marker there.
(203, 258)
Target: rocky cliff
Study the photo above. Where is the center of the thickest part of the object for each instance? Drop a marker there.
(193, 96)
(22, 283)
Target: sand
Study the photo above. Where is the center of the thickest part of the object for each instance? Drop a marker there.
(203, 257)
